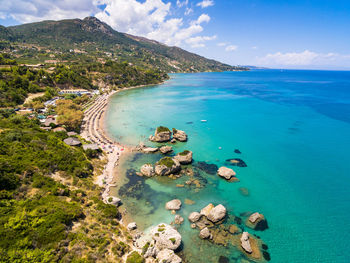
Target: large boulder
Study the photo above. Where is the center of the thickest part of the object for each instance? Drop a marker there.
(204, 233)
(226, 173)
(184, 157)
(179, 135)
(257, 221)
(114, 200)
(194, 217)
(167, 166)
(206, 210)
(149, 150)
(131, 226)
(165, 149)
(173, 205)
(166, 237)
(168, 256)
(162, 134)
(147, 170)
(217, 213)
(245, 243)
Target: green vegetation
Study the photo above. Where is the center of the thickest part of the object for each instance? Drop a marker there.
(184, 153)
(69, 114)
(162, 129)
(173, 240)
(135, 257)
(174, 130)
(167, 161)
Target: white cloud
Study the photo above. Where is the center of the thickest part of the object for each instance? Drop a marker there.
(188, 11)
(231, 48)
(205, 3)
(203, 18)
(305, 58)
(198, 41)
(181, 3)
(26, 11)
(221, 44)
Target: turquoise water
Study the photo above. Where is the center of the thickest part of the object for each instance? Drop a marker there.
(293, 129)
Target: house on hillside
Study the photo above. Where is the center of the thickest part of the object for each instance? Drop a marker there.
(72, 141)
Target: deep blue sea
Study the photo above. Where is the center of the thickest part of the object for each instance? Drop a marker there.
(293, 130)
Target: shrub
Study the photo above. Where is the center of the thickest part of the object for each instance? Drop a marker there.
(135, 257)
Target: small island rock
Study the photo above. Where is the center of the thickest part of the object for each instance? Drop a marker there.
(184, 157)
(173, 205)
(245, 243)
(179, 135)
(194, 217)
(167, 166)
(147, 170)
(204, 233)
(257, 221)
(226, 173)
(217, 213)
(166, 237)
(166, 149)
(162, 134)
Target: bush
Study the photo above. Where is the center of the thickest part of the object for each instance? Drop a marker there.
(135, 257)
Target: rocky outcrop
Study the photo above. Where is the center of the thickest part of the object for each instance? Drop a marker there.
(131, 226)
(226, 173)
(206, 210)
(204, 233)
(173, 205)
(167, 166)
(165, 149)
(168, 256)
(114, 200)
(257, 221)
(184, 157)
(162, 134)
(217, 213)
(178, 220)
(166, 237)
(194, 217)
(245, 243)
(179, 135)
(147, 170)
(149, 150)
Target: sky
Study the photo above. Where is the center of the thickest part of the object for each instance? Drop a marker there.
(296, 34)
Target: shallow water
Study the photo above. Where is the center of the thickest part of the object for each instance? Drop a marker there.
(292, 128)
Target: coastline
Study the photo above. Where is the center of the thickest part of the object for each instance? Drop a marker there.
(94, 130)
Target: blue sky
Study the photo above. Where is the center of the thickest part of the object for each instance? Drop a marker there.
(278, 34)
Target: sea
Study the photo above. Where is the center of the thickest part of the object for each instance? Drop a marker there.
(291, 129)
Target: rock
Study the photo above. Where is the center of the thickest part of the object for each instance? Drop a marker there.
(237, 151)
(167, 166)
(206, 167)
(166, 237)
(147, 170)
(226, 173)
(114, 200)
(236, 162)
(194, 217)
(162, 134)
(179, 135)
(189, 202)
(257, 221)
(166, 149)
(168, 256)
(173, 141)
(233, 229)
(217, 213)
(173, 205)
(223, 259)
(203, 222)
(131, 226)
(184, 157)
(244, 191)
(193, 226)
(178, 220)
(245, 243)
(204, 233)
(206, 210)
(149, 150)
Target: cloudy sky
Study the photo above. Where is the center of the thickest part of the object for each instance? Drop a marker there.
(311, 34)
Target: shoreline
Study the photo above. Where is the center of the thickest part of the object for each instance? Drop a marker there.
(94, 130)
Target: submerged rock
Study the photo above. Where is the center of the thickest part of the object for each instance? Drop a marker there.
(245, 243)
(194, 217)
(167, 166)
(244, 191)
(223, 259)
(217, 213)
(206, 167)
(226, 173)
(168, 256)
(166, 149)
(178, 220)
(173, 205)
(162, 134)
(147, 170)
(166, 237)
(237, 151)
(236, 162)
(184, 157)
(179, 135)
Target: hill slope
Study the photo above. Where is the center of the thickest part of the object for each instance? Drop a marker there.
(92, 38)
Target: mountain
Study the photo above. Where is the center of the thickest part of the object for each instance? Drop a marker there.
(92, 39)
